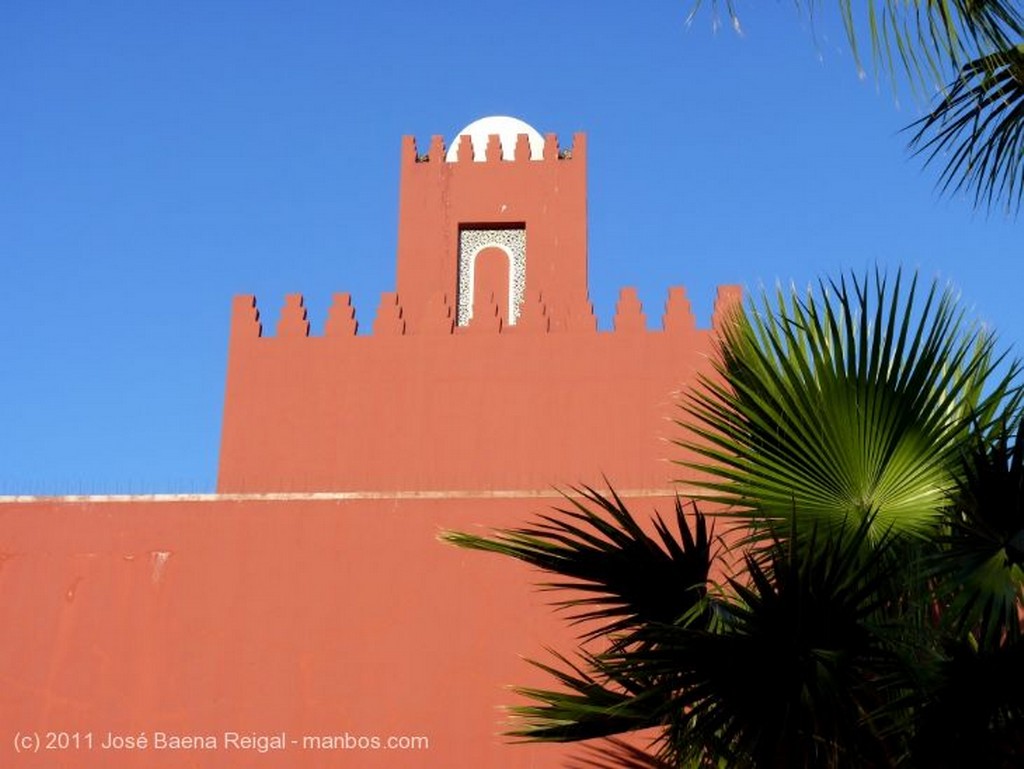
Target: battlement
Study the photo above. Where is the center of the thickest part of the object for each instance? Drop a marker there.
(484, 368)
(439, 406)
(439, 319)
(494, 149)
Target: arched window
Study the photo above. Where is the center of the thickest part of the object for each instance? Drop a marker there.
(512, 241)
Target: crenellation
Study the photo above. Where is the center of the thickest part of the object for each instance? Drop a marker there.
(341, 317)
(245, 317)
(437, 149)
(390, 320)
(728, 301)
(550, 147)
(293, 321)
(523, 153)
(494, 151)
(409, 152)
(629, 314)
(491, 150)
(579, 147)
(437, 315)
(466, 151)
(579, 316)
(678, 315)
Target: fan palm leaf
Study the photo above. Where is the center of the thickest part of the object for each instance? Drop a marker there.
(801, 676)
(924, 40)
(593, 702)
(855, 402)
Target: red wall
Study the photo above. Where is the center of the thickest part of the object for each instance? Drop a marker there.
(256, 615)
(519, 409)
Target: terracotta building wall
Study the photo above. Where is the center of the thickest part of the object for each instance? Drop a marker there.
(519, 409)
(546, 196)
(262, 615)
(524, 395)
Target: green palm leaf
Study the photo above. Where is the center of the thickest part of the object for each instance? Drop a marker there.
(977, 130)
(922, 41)
(594, 702)
(622, 576)
(981, 563)
(854, 402)
(801, 676)
(973, 54)
(624, 583)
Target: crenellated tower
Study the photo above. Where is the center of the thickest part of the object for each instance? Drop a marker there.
(502, 213)
(485, 369)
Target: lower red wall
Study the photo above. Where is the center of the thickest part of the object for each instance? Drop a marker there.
(262, 616)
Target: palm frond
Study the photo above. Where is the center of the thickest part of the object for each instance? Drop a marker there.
(852, 402)
(592, 702)
(972, 54)
(977, 131)
(973, 713)
(622, 577)
(806, 665)
(981, 563)
(922, 41)
(927, 39)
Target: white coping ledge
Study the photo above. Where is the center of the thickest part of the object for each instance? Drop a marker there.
(332, 496)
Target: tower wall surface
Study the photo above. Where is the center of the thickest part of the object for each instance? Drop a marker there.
(457, 388)
(547, 197)
(511, 408)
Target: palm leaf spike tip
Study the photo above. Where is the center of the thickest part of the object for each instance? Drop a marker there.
(854, 400)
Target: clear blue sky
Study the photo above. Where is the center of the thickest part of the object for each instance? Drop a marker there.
(158, 157)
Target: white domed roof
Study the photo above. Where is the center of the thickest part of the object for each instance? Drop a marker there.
(506, 128)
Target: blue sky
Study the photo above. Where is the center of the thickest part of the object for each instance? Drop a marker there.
(157, 158)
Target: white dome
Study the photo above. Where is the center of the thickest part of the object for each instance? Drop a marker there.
(506, 128)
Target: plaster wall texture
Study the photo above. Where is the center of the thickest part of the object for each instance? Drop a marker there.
(259, 616)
